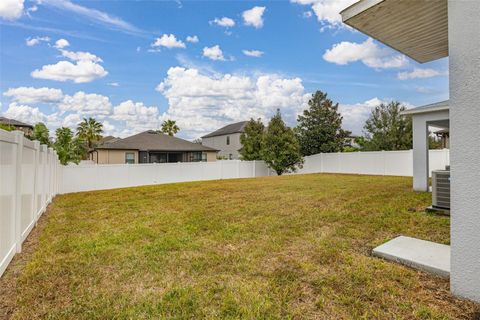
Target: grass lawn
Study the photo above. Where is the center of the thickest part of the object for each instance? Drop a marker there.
(292, 247)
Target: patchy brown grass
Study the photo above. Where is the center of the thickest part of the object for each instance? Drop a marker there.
(293, 247)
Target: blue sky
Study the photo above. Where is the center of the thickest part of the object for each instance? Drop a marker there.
(130, 65)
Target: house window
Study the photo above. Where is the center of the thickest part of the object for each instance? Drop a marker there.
(228, 140)
(204, 157)
(196, 156)
(230, 156)
(130, 157)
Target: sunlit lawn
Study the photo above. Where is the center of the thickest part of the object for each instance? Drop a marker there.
(266, 248)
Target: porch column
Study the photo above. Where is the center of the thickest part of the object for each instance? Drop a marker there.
(464, 52)
(420, 153)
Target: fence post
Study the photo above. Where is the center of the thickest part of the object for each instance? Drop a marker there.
(253, 169)
(384, 160)
(18, 190)
(446, 157)
(36, 145)
(238, 168)
(221, 169)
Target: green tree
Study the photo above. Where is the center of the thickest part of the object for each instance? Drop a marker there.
(319, 128)
(386, 129)
(6, 127)
(41, 133)
(251, 140)
(170, 127)
(90, 131)
(280, 147)
(434, 143)
(69, 148)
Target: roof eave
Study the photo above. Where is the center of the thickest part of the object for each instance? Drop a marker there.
(418, 29)
(421, 111)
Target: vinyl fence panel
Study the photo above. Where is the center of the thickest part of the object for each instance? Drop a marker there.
(28, 182)
(97, 177)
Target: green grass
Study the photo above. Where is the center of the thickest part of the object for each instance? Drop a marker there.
(293, 247)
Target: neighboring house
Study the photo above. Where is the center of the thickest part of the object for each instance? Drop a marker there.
(226, 140)
(18, 125)
(151, 147)
(108, 139)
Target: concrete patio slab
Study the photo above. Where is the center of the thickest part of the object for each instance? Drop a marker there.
(419, 254)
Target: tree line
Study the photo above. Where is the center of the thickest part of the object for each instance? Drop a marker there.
(319, 130)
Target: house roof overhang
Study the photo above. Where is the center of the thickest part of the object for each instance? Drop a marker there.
(416, 28)
(429, 108)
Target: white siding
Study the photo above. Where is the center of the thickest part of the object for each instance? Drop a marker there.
(220, 143)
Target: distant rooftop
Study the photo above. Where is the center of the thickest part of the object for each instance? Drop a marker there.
(238, 127)
(154, 141)
(15, 123)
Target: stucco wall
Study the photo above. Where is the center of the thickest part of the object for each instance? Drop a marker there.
(220, 143)
(113, 156)
(211, 156)
(421, 171)
(464, 52)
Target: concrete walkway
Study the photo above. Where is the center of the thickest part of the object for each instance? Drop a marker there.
(418, 254)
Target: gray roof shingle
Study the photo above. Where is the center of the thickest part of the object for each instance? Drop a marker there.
(238, 127)
(151, 140)
(15, 123)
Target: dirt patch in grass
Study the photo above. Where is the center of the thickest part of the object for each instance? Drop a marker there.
(293, 247)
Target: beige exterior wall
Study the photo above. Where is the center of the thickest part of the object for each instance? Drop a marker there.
(112, 156)
(211, 156)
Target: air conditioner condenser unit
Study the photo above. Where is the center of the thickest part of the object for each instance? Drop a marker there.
(441, 190)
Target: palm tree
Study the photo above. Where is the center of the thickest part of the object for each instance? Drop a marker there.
(170, 127)
(89, 130)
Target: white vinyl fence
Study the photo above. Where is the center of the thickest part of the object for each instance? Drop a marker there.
(98, 177)
(29, 175)
(390, 163)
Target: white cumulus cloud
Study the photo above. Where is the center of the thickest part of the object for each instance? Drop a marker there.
(192, 39)
(11, 9)
(202, 103)
(88, 104)
(368, 52)
(29, 114)
(223, 22)
(80, 56)
(137, 116)
(253, 53)
(355, 115)
(327, 11)
(79, 72)
(168, 41)
(61, 43)
(36, 40)
(213, 53)
(254, 17)
(31, 95)
(71, 120)
(85, 67)
(420, 73)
